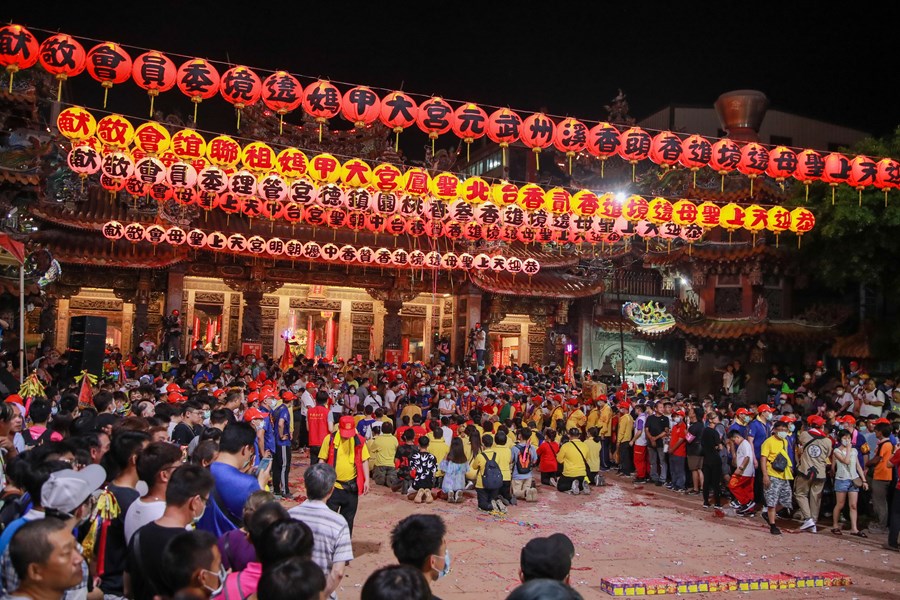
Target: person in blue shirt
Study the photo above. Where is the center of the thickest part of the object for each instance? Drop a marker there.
(758, 431)
(281, 458)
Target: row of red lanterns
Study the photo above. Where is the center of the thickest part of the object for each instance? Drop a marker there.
(281, 92)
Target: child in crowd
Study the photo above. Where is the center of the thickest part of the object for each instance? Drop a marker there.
(454, 467)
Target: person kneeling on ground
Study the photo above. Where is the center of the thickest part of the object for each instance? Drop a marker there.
(524, 457)
(454, 468)
(422, 466)
(572, 457)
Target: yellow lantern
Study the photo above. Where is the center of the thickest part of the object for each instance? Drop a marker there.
(258, 157)
(416, 182)
(75, 123)
(636, 208)
(684, 212)
(530, 197)
(324, 168)
(115, 131)
(223, 151)
(708, 215)
(731, 218)
(188, 145)
(474, 190)
(356, 173)
(152, 138)
(557, 200)
(444, 186)
(779, 221)
(659, 211)
(756, 219)
(802, 221)
(504, 192)
(585, 203)
(291, 163)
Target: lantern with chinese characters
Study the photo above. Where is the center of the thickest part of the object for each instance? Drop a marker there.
(474, 190)
(115, 131)
(113, 230)
(503, 128)
(611, 205)
(388, 178)
(134, 233)
(150, 170)
(198, 80)
(281, 93)
(684, 212)
(809, 168)
(62, 56)
(435, 117)
(444, 186)
(182, 175)
(531, 266)
(724, 158)
(415, 227)
(322, 101)
(291, 163)
(358, 199)
(155, 234)
(695, 154)
(887, 175)
(356, 173)
(634, 146)
(537, 132)
(731, 218)
(584, 203)
(604, 141)
(635, 208)
(624, 227)
(647, 231)
(348, 254)
(836, 170)
(782, 164)
(691, 234)
(802, 221)
(223, 151)
(189, 145)
(275, 246)
(571, 138)
(361, 106)
(665, 149)
(331, 195)
(135, 187)
(109, 64)
(111, 184)
(240, 87)
(242, 184)
(83, 160)
(154, 72)
(75, 123)
(236, 243)
(117, 165)
(212, 179)
(756, 219)
(659, 210)
(291, 212)
(258, 157)
(195, 238)
(779, 221)
(433, 260)
(18, 50)
(531, 197)
(504, 193)
(330, 251)
(398, 111)
(754, 162)
(557, 200)
(272, 188)
(152, 138)
(161, 192)
(862, 173)
(324, 168)
(469, 123)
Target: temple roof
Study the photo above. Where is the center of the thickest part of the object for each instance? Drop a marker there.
(71, 247)
(710, 252)
(546, 284)
(732, 329)
(857, 345)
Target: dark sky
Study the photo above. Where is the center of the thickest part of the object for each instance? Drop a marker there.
(827, 62)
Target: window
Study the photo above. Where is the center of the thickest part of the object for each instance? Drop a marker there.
(486, 164)
(781, 140)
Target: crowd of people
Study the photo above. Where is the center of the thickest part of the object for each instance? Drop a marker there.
(169, 482)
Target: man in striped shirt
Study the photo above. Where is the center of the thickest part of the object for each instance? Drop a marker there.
(331, 534)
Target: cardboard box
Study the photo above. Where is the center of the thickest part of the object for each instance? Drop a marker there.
(836, 579)
(659, 587)
(722, 583)
(780, 581)
(803, 579)
(685, 584)
(748, 582)
(623, 586)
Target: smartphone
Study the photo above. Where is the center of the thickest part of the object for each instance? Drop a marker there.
(264, 464)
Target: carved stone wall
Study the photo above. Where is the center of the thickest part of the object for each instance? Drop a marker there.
(362, 319)
(360, 341)
(316, 304)
(361, 307)
(413, 311)
(209, 298)
(95, 304)
(269, 301)
(508, 328)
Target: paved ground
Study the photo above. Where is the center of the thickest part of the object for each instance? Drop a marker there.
(620, 530)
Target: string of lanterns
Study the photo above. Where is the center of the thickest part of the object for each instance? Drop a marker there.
(110, 64)
(292, 249)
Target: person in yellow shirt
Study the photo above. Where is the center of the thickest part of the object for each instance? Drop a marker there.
(409, 410)
(576, 420)
(573, 457)
(533, 415)
(557, 414)
(604, 424)
(624, 437)
(438, 448)
(487, 498)
(503, 447)
(593, 456)
(382, 448)
(593, 416)
(346, 451)
(776, 480)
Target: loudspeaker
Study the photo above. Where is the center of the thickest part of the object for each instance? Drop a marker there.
(87, 344)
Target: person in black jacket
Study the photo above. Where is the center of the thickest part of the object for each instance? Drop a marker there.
(711, 443)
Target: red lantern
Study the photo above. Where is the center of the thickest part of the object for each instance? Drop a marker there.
(282, 93)
(322, 101)
(754, 162)
(112, 184)
(809, 168)
(887, 175)
(635, 146)
(862, 171)
(603, 141)
(154, 72)
(538, 131)
(361, 106)
(62, 56)
(241, 87)
(571, 138)
(504, 127)
(18, 50)
(665, 149)
(695, 153)
(435, 118)
(782, 164)
(468, 123)
(836, 170)
(725, 158)
(198, 80)
(398, 111)
(109, 64)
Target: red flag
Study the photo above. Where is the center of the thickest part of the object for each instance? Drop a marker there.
(287, 359)
(85, 396)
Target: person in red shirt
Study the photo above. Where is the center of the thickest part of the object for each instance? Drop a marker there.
(547, 452)
(678, 451)
(319, 424)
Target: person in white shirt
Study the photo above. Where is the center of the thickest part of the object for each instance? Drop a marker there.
(843, 399)
(447, 406)
(873, 401)
(155, 465)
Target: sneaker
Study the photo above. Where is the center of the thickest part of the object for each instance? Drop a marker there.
(807, 524)
(469, 485)
(707, 505)
(774, 530)
(531, 495)
(658, 483)
(554, 481)
(747, 508)
(692, 492)
(735, 504)
(669, 486)
(585, 489)
(503, 501)
(495, 504)
(574, 490)
(512, 500)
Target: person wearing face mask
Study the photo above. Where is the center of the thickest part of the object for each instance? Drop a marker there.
(777, 473)
(191, 560)
(418, 541)
(849, 478)
(187, 497)
(758, 432)
(813, 451)
(678, 452)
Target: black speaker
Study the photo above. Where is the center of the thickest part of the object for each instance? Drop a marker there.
(87, 344)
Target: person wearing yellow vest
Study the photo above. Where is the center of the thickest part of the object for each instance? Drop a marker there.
(438, 448)
(557, 414)
(624, 436)
(576, 420)
(573, 457)
(347, 452)
(604, 425)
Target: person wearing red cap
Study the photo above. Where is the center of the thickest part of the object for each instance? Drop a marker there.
(624, 433)
(346, 451)
(813, 453)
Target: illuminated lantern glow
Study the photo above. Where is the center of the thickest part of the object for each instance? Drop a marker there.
(684, 212)
(863, 172)
(359, 199)
(134, 233)
(531, 266)
(604, 141)
(659, 211)
(474, 190)
(624, 227)
(115, 131)
(356, 173)
(646, 230)
(175, 236)
(610, 206)
(537, 132)
(109, 64)
(504, 193)
(435, 117)
(398, 111)
(469, 123)
(836, 170)
(291, 212)
(322, 101)
(415, 182)
(453, 230)
(182, 175)
(281, 93)
(754, 162)
(187, 144)
(111, 184)
(395, 225)
(196, 239)
(154, 72)
(513, 265)
(337, 218)
(375, 222)
(19, 50)
(240, 87)
(242, 184)
(498, 263)
(887, 175)
(415, 227)
(557, 200)
(782, 164)
(731, 218)
(348, 254)
(330, 251)
(291, 163)
(585, 203)
(75, 123)
(810, 165)
(304, 192)
(83, 160)
(696, 151)
(155, 234)
(504, 128)
(756, 219)
(634, 146)
(473, 230)
(160, 192)
(258, 157)
(666, 149)
(670, 231)
(212, 179)
(691, 233)
(198, 80)
(635, 208)
(62, 56)
(361, 106)
(726, 155)
(444, 186)
(272, 188)
(708, 215)
(223, 151)
(779, 221)
(365, 255)
(117, 165)
(150, 170)
(275, 246)
(235, 242)
(152, 138)
(571, 138)
(331, 196)
(135, 186)
(802, 221)
(388, 178)
(531, 197)
(324, 168)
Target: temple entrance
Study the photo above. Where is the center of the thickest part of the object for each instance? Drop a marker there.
(315, 332)
(207, 327)
(412, 330)
(505, 349)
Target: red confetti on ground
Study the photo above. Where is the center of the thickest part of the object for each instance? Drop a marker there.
(639, 504)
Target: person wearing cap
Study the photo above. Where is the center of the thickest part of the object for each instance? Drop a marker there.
(857, 439)
(547, 558)
(813, 456)
(741, 482)
(319, 423)
(264, 445)
(881, 476)
(758, 431)
(282, 420)
(346, 451)
(624, 435)
(573, 457)
(46, 560)
(777, 473)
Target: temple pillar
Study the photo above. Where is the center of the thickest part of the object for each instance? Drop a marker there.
(175, 290)
(392, 325)
(141, 310)
(47, 323)
(251, 324)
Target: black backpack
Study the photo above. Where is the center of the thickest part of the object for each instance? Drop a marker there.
(492, 478)
(31, 442)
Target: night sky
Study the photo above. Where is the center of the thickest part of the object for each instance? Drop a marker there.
(825, 63)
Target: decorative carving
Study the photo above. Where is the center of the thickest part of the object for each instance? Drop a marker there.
(761, 309)
(95, 304)
(184, 296)
(691, 353)
(235, 300)
(698, 276)
(362, 306)
(362, 319)
(412, 310)
(209, 298)
(59, 290)
(361, 341)
(392, 294)
(757, 354)
(755, 274)
(509, 328)
(252, 322)
(562, 313)
(253, 285)
(270, 301)
(47, 322)
(448, 306)
(316, 304)
(126, 295)
(270, 313)
(688, 310)
(446, 322)
(234, 312)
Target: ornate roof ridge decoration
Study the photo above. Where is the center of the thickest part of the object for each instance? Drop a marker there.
(70, 248)
(711, 251)
(546, 284)
(732, 328)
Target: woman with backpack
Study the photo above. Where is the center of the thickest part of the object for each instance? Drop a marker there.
(488, 477)
(454, 466)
